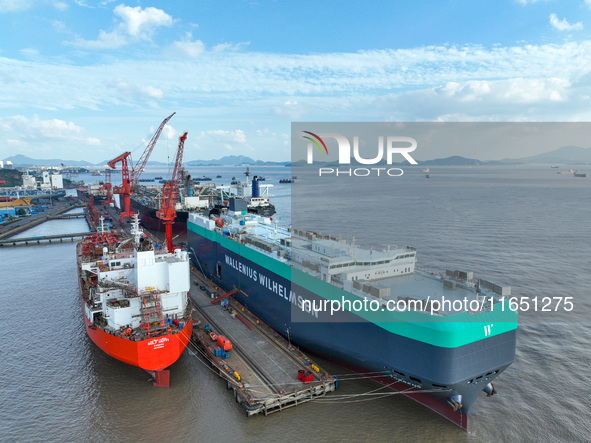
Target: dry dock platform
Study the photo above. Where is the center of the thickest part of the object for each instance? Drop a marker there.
(266, 373)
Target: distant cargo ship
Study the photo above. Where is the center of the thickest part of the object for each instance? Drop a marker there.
(134, 300)
(97, 191)
(206, 199)
(42, 194)
(440, 357)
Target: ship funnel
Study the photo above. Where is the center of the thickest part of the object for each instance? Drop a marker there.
(255, 187)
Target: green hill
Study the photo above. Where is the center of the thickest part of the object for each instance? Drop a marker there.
(12, 177)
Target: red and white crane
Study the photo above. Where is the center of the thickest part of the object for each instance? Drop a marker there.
(167, 212)
(129, 180)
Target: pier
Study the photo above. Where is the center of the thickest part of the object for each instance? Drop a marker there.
(42, 239)
(266, 373)
(65, 216)
(22, 224)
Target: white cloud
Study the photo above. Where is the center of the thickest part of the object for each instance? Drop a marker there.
(290, 109)
(538, 81)
(34, 129)
(105, 40)
(230, 46)
(135, 24)
(516, 90)
(563, 25)
(515, 99)
(15, 5)
(168, 132)
(188, 47)
(29, 52)
(138, 91)
(61, 6)
(141, 23)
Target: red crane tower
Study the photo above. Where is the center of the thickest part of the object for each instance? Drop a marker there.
(130, 181)
(167, 212)
(108, 186)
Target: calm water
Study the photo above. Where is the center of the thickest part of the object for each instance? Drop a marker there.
(526, 227)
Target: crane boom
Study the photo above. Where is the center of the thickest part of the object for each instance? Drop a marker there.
(167, 212)
(129, 180)
(139, 166)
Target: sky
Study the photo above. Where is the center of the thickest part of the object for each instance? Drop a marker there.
(89, 80)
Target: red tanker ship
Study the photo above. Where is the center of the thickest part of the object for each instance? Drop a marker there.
(135, 300)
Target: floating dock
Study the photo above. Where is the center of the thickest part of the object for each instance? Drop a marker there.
(266, 372)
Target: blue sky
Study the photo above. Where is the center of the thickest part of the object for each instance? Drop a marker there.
(86, 79)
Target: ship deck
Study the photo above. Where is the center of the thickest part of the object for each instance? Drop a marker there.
(267, 365)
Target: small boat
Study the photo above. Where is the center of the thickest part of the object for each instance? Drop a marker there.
(218, 176)
(213, 336)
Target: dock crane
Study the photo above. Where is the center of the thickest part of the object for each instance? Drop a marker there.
(167, 212)
(108, 187)
(129, 180)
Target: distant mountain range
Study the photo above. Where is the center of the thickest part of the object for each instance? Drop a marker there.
(570, 155)
(229, 160)
(233, 160)
(566, 155)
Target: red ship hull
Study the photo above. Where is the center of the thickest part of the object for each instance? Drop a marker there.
(153, 354)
